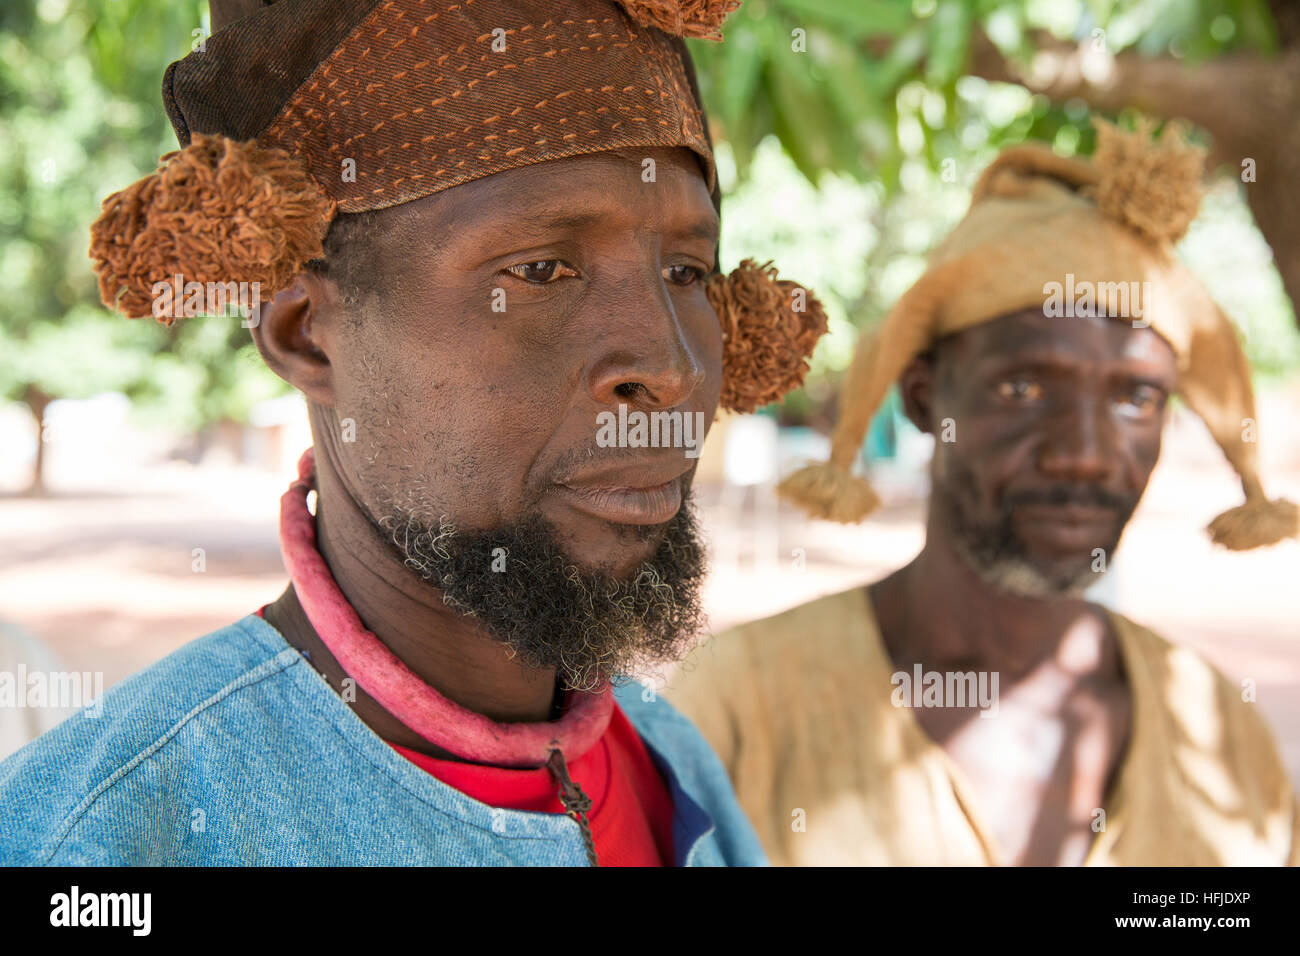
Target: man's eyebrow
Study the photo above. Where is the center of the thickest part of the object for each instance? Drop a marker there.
(1051, 356)
(1044, 354)
(705, 228)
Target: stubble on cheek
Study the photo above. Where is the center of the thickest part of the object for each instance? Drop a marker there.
(955, 479)
(402, 461)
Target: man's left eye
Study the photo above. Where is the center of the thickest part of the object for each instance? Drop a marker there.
(1145, 400)
(683, 275)
(543, 271)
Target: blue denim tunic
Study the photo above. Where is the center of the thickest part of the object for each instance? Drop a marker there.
(233, 751)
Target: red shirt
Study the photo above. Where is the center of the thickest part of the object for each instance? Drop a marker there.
(631, 813)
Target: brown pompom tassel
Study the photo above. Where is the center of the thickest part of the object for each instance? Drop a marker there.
(1256, 524)
(701, 19)
(215, 211)
(770, 327)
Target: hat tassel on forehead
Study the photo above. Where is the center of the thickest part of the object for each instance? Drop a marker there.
(222, 210)
(1151, 190)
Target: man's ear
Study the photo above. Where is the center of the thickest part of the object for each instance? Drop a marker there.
(296, 337)
(917, 387)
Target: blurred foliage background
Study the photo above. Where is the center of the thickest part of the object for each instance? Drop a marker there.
(849, 133)
(852, 131)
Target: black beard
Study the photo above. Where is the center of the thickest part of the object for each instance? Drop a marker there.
(998, 556)
(588, 626)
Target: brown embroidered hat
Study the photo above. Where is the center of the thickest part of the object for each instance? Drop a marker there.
(303, 109)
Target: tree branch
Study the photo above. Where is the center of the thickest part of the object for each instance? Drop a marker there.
(1249, 104)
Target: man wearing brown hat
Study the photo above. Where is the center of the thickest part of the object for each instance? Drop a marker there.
(478, 232)
(973, 708)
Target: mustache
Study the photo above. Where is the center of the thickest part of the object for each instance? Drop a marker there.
(575, 461)
(1064, 494)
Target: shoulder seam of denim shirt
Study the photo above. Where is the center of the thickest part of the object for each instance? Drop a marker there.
(265, 654)
(260, 673)
(310, 685)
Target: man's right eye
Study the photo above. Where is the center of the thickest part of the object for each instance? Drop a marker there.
(542, 272)
(1020, 390)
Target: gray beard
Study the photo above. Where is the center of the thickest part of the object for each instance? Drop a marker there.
(1011, 573)
(998, 557)
(588, 626)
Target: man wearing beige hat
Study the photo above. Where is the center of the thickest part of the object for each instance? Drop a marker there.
(973, 708)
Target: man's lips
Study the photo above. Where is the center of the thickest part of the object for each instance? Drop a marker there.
(627, 505)
(1067, 528)
(1074, 515)
(648, 493)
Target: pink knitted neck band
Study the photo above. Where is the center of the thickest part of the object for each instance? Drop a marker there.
(398, 690)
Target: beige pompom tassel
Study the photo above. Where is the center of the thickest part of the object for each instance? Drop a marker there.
(1258, 523)
(1216, 385)
(1152, 186)
(830, 492)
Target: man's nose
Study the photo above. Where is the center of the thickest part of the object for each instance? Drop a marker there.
(646, 358)
(1080, 443)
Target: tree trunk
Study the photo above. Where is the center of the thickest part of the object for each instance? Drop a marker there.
(37, 402)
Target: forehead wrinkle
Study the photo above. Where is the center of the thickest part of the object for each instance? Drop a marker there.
(539, 201)
(1029, 329)
(543, 193)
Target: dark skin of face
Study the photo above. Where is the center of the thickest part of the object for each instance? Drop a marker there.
(486, 415)
(1036, 402)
